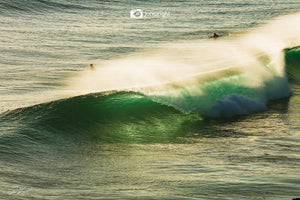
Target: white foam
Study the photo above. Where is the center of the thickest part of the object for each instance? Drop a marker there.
(235, 104)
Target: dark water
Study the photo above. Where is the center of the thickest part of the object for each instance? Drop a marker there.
(168, 114)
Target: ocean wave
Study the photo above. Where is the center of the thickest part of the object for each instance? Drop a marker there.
(143, 116)
(155, 95)
(127, 104)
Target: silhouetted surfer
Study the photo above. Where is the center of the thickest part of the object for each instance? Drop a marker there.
(215, 35)
(92, 68)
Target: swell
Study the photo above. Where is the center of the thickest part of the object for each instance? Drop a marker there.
(39, 6)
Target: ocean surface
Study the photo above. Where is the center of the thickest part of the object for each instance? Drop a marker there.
(169, 112)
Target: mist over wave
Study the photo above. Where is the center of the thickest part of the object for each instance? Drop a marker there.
(205, 76)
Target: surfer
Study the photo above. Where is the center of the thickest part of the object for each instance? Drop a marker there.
(92, 68)
(215, 35)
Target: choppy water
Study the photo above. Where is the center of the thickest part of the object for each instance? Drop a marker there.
(169, 113)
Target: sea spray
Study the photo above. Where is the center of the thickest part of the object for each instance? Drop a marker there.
(201, 76)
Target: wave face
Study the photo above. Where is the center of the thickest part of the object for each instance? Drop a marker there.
(113, 116)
